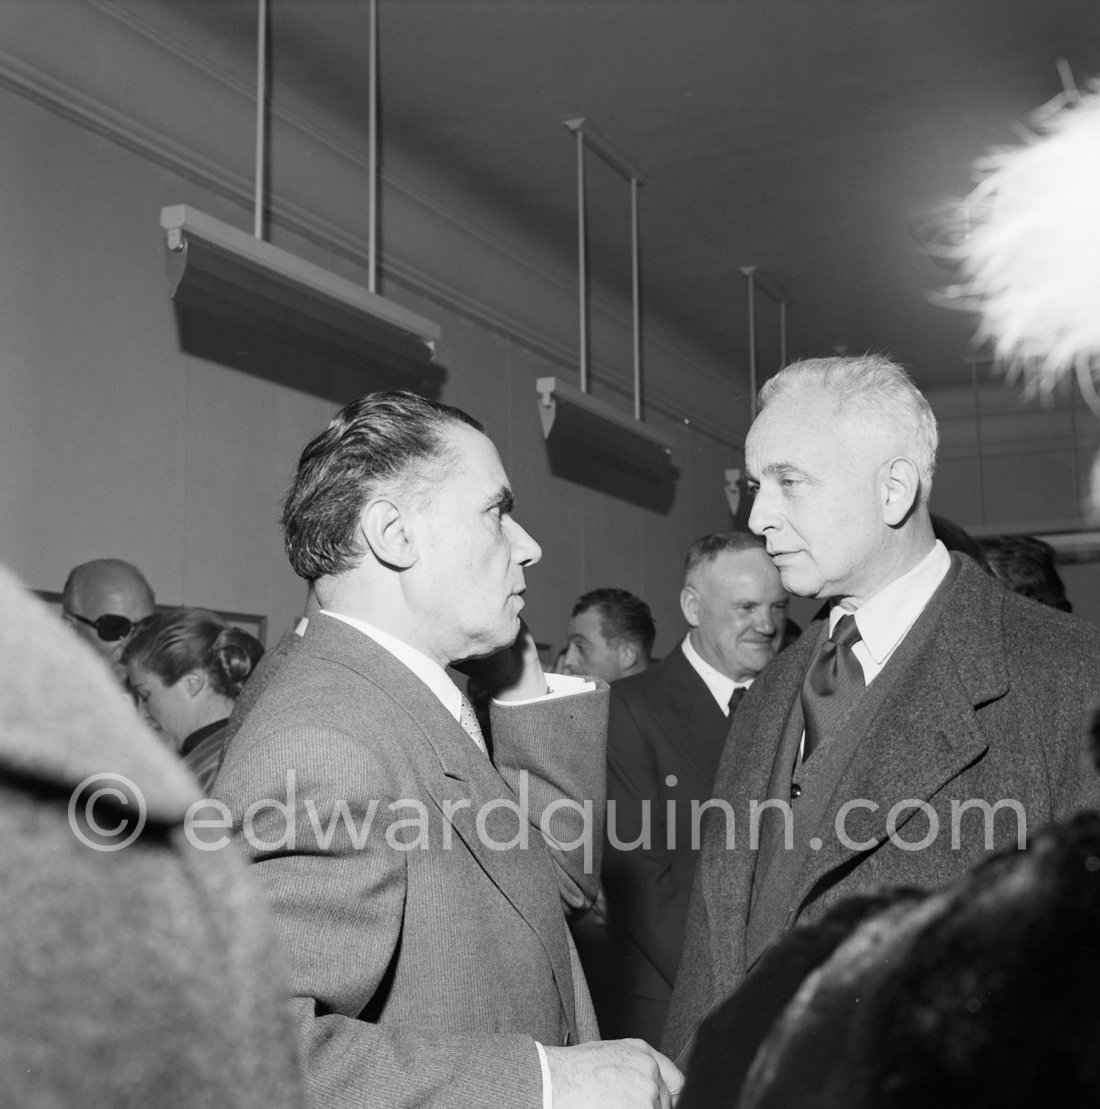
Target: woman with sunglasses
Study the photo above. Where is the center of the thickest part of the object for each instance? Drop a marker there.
(187, 667)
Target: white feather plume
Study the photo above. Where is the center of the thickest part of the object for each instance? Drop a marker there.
(1031, 260)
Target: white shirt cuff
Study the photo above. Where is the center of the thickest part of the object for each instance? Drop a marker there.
(547, 1087)
(557, 685)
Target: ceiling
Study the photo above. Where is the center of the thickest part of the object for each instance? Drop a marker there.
(805, 137)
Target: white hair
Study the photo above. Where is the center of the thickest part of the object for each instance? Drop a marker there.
(871, 384)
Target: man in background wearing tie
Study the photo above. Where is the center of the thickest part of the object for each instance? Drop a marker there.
(418, 887)
(666, 731)
(927, 719)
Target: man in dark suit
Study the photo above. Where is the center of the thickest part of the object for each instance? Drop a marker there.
(927, 719)
(417, 886)
(666, 730)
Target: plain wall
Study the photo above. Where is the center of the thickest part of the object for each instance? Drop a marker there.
(116, 440)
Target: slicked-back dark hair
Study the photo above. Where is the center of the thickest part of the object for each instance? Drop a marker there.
(392, 442)
(622, 616)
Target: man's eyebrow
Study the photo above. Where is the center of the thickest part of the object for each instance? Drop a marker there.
(505, 500)
(777, 469)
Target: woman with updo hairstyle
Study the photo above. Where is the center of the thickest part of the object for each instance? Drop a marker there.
(187, 667)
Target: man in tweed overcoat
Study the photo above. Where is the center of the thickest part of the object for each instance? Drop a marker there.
(968, 726)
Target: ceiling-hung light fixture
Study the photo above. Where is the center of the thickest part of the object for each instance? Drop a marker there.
(563, 407)
(222, 270)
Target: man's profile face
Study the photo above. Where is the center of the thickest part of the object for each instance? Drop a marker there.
(737, 608)
(471, 555)
(817, 499)
(588, 651)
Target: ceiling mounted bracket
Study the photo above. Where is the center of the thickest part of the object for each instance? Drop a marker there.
(594, 423)
(242, 278)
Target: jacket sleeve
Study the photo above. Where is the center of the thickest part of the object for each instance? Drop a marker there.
(554, 750)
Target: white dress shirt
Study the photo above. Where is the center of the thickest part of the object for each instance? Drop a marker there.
(720, 686)
(885, 620)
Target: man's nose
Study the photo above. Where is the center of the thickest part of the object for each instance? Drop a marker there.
(526, 551)
(765, 623)
(761, 516)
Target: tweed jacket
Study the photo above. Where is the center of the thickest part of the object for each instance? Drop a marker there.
(265, 670)
(663, 722)
(138, 970)
(992, 709)
(421, 909)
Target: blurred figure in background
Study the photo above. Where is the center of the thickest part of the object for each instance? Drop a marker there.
(1026, 565)
(983, 994)
(611, 635)
(103, 601)
(187, 667)
(138, 971)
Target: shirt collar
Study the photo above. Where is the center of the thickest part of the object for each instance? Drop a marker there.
(426, 669)
(720, 686)
(892, 611)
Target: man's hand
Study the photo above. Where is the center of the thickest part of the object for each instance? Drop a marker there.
(613, 1074)
(513, 673)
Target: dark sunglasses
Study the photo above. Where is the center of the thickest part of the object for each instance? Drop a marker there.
(110, 628)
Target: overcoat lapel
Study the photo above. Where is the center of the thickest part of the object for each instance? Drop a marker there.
(743, 778)
(916, 744)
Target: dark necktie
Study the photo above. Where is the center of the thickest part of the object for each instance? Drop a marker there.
(735, 698)
(833, 681)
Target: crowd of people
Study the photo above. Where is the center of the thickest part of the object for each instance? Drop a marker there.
(852, 864)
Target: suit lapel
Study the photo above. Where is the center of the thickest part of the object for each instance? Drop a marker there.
(463, 784)
(690, 717)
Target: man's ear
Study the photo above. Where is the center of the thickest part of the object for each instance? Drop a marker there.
(901, 488)
(385, 528)
(628, 653)
(689, 605)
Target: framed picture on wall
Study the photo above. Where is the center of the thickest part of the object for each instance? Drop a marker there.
(250, 622)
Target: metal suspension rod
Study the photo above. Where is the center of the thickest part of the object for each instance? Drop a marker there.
(582, 264)
(372, 157)
(637, 296)
(750, 274)
(261, 112)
